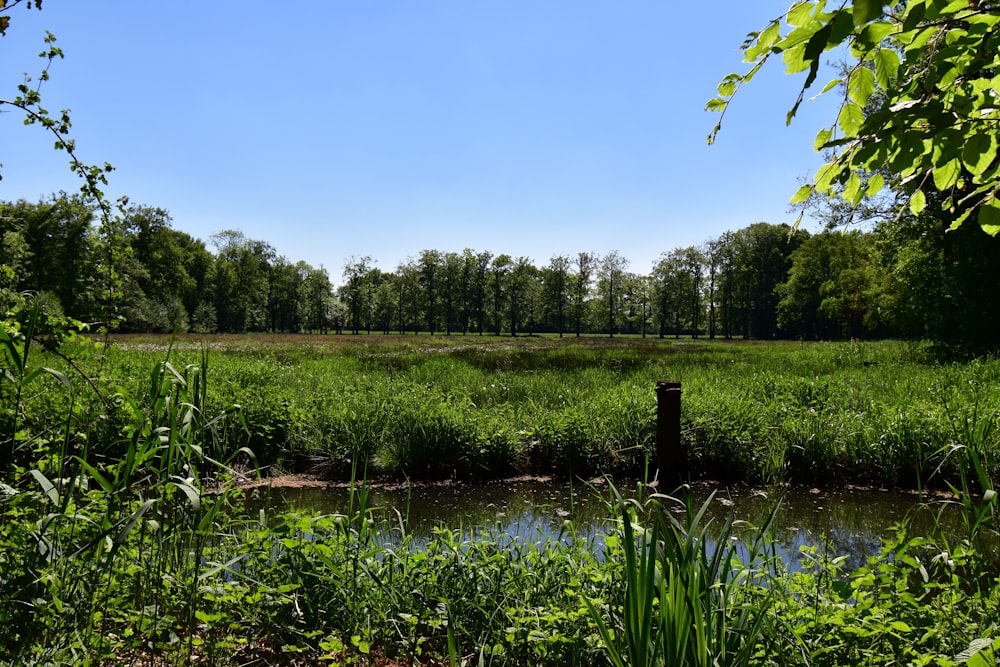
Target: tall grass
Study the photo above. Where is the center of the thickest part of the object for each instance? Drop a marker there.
(868, 413)
(146, 558)
(105, 555)
(691, 597)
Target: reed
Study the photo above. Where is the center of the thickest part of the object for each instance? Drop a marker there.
(869, 413)
(691, 597)
(122, 539)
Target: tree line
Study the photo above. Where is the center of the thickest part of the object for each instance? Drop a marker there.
(899, 278)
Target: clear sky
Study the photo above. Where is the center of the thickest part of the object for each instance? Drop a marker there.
(337, 128)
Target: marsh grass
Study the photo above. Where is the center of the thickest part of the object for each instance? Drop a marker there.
(145, 560)
(867, 413)
(90, 544)
(121, 539)
(692, 597)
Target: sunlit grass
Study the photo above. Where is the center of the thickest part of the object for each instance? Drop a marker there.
(121, 539)
(872, 413)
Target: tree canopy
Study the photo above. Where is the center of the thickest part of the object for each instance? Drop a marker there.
(920, 108)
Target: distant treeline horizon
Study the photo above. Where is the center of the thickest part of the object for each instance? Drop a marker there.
(905, 278)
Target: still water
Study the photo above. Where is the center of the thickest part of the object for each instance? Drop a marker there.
(847, 522)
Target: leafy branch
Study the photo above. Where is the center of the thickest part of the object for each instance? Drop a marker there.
(94, 177)
(921, 98)
(29, 102)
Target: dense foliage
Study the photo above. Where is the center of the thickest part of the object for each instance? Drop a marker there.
(909, 278)
(124, 540)
(471, 408)
(918, 112)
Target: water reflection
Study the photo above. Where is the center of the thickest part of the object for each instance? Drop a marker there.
(837, 522)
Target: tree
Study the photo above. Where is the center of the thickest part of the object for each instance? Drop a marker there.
(829, 290)
(499, 270)
(355, 292)
(320, 310)
(635, 303)
(522, 294)
(161, 294)
(585, 263)
(919, 103)
(408, 295)
(611, 275)
(694, 263)
(759, 256)
(676, 291)
(429, 265)
(377, 284)
(555, 282)
(52, 246)
(386, 301)
(241, 281)
(939, 283)
(285, 303)
(453, 290)
(714, 252)
(477, 266)
(28, 102)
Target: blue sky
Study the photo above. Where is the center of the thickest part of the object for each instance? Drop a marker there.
(333, 129)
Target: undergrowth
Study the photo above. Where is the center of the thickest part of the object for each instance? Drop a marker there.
(123, 539)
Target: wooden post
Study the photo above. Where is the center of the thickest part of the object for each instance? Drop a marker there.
(671, 457)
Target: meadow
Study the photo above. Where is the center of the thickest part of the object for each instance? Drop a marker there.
(124, 540)
(879, 413)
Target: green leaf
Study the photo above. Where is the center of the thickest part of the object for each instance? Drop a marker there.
(914, 15)
(946, 175)
(875, 185)
(802, 194)
(96, 474)
(866, 10)
(850, 119)
(826, 175)
(886, 66)
(794, 59)
(127, 528)
(841, 28)
(900, 626)
(874, 33)
(989, 217)
(799, 14)
(957, 222)
(727, 87)
(861, 85)
(918, 202)
(194, 497)
(822, 137)
(59, 376)
(47, 487)
(980, 660)
(979, 152)
(716, 104)
(852, 189)
(765, 42)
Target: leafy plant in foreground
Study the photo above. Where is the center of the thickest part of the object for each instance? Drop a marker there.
(691, 598)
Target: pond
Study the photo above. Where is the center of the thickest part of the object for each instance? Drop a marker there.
(840, 522)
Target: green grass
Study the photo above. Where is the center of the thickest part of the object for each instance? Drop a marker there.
(122, 540)
(871, 413)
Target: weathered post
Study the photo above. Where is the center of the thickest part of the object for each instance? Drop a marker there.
(671, 457)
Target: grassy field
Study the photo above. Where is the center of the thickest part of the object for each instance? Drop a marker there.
(878, 413)
(123, 539)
